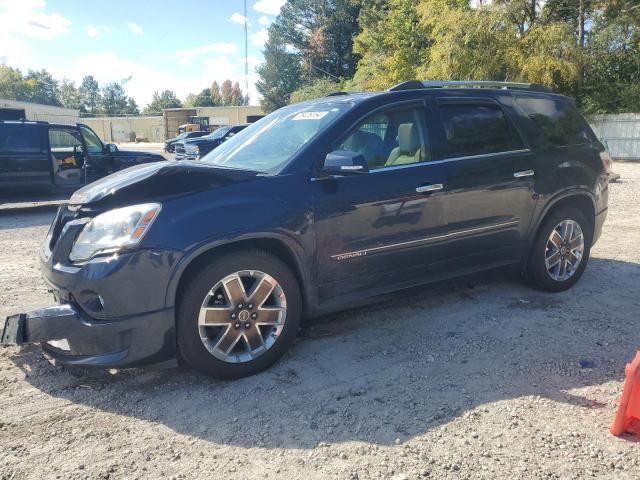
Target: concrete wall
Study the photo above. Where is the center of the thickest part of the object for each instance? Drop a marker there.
(619, 133)
(45, 113)
(127, 129)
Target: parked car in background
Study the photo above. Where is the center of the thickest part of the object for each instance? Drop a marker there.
(50, 156)
(169, 145)
(319, 206)
(196, 148)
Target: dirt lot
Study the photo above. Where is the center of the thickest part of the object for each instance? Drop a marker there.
(483, 378)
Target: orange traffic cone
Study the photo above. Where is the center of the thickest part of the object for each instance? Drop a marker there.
(628, 416)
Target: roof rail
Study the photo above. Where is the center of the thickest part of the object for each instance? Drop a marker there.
(24, 120)
(416, 84)
(335, 94)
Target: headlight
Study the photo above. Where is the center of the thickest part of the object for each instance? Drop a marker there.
(192, 149)
(122, 227)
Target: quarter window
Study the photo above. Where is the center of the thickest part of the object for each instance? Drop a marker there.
(559, 121)
(391, 138)
(476, 130)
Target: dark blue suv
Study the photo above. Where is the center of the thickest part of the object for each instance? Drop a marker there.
(319, 206)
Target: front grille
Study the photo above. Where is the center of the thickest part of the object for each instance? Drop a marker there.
(179, 151)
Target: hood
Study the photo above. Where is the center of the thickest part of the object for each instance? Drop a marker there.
(155, 181)
(195, 141)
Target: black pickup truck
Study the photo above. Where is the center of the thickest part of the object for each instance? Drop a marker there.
(58, 157)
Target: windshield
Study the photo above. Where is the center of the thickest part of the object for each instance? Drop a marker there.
(274, 139)
(218, 133)
(182, 135)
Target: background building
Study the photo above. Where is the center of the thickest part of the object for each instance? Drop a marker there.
(160, 128)
(211, 116)
(16, 110)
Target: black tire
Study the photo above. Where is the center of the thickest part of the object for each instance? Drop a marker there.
(536, 265)
(190, 345)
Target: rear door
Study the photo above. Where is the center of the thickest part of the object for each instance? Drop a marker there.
(24, 159)
(490, 182)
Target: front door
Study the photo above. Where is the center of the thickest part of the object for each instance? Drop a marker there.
(490, 183)
(99, 161)
(66, 149)
(382, 229)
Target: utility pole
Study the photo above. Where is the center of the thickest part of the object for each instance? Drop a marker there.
(246, 54)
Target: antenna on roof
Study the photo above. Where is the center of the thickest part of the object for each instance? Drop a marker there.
(246, 53)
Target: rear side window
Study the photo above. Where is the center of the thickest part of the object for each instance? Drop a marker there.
(476, 130)
(16, 138)
(559, 121)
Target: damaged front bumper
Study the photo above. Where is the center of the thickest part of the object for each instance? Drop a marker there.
(113, 311)
(71, 338)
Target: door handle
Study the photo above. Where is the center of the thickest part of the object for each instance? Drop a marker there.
(524, 173)
(430, 188)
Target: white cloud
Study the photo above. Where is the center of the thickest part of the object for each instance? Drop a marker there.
(259, 38)
(95, 31)
(108, 66)
(238, 18)
(221, 48)
(270, 7)
(135, 28)
(92, 31)
(26, 18)
(264, 20)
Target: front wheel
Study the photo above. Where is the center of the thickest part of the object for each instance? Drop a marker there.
(560, 251)
(238, 315)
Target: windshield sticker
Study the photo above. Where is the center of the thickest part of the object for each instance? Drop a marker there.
(309, 115)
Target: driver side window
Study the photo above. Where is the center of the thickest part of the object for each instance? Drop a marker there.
(94, 144)
(390, 138)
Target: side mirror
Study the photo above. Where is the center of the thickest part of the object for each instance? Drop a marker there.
(345, 162)
(112, 147)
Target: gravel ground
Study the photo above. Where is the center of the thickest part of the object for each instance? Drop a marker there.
(480, 378)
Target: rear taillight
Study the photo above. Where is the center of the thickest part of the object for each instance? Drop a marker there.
(607, 163)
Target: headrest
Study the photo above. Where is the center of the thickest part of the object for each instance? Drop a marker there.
(408, 140)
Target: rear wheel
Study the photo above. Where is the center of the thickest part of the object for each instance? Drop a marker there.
(561, 250)
(238, 315)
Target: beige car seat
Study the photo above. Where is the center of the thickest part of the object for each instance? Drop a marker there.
(369, 145)
(409, 149)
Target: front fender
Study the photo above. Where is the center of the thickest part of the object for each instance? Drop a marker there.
(293, 246)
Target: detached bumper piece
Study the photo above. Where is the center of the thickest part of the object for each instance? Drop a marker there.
(13, 331)
(71, 338)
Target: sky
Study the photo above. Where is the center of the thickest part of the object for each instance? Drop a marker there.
(180, 45)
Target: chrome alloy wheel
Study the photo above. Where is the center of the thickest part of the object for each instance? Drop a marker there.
(242, 316)
(564, 250)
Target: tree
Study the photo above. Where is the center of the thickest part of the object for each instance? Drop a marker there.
(12, 86)
(202, 99)
(226, 91)
(114, 100)
(90, 92)
(42, 88)
(319, 88)
(216, 97)
(393, 44)
(279, 74)
(321, 33)
(166, 99)
(132, 107)
(70, 96)
(237, 97)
